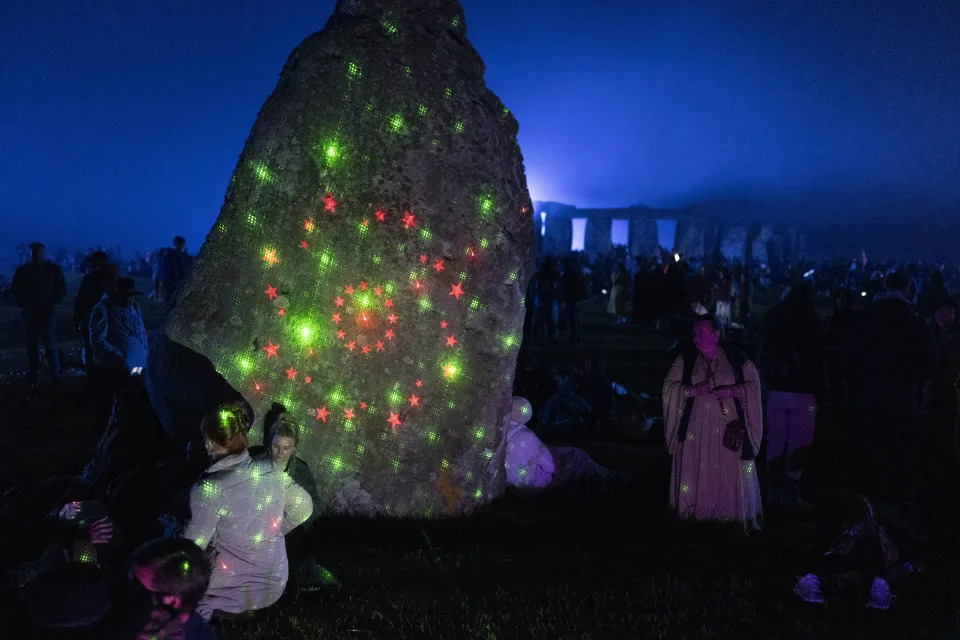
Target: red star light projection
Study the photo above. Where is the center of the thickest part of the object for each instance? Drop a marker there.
(438, 265)
(270, 257)
(348, 414)
(271, 350)
(409, 220)
(451, 341)
(322, 413)
(456, 290)
(303, 244)
(413, 400)
(291, 374)
(271, 292)
(380, 215)
(329, 203)
(394, 420)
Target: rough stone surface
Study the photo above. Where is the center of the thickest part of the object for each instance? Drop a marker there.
(380, 180)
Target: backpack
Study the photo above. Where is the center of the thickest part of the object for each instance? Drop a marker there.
(737, 361)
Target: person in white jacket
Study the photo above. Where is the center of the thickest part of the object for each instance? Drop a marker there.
(529, 462)
(240, 511)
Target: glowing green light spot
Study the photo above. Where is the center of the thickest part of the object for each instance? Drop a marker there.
(431, 437)
(424, 304)
(478, 433)
(514, 275)
(463, 275)
(389, 27)
(222, 227)
(478, 495)
(336, 396)
(331, 152)
(368, 107)
(509, 340)
(362, 228)
(483, 243)
(408, 71)
(257, 538)
(353, 69)
(377, 259)
(475, 304)
(486, 205)
(426, 234)
(458, 127)
(451, 405)
(336, 463)
(396, 464)
(394, 396)
(396, 122)
(448, 93)
(185, 566)
(455, 22)
(360, 449)
(364, 300)
(305, 332)
(326, 260)
(252, 219)
(444, 464)
(506, 111)
(390, 287)
(244, 364)
(422, 110)
(262, 172)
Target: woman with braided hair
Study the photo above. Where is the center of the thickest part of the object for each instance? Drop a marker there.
(240, 510)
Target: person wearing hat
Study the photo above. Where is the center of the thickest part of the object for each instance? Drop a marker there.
(38, 287)
(118, 342)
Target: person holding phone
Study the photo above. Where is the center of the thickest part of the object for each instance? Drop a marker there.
(118, 340)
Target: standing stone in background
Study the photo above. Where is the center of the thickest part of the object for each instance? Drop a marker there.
(367, 267)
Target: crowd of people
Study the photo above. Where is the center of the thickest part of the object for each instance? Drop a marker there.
(740, 400)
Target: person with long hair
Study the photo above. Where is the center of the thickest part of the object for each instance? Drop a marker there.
(713, 423)
(240, 511)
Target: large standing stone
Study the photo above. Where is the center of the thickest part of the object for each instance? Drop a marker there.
(367, 266)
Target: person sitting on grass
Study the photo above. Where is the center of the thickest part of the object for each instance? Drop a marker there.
(283, 436)
(240, 511)
(530, 464)
(862, 550)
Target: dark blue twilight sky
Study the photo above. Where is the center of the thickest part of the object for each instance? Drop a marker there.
(121, 120)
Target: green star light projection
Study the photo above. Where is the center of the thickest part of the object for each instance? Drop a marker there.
(366, 268)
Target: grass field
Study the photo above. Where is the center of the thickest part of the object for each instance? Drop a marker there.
(557, 565)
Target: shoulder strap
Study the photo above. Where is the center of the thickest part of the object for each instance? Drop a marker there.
(737, 360)
(689, 356)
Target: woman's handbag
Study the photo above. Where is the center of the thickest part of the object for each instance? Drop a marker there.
(733, 434)
(735, 430)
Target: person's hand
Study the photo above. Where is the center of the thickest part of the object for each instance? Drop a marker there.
(700, 389)
(69, 510)
(721, 393)
(101, 531)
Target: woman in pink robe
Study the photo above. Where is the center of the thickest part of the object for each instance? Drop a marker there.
(709, 481)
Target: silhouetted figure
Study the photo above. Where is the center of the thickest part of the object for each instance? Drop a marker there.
(173, 265)
(792, 359)
(38, 287)
(890, 359)
(547, 288)
(619, 287)
(574, 292)
(100, 276)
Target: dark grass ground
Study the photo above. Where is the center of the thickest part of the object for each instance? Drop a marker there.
(559, 565)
